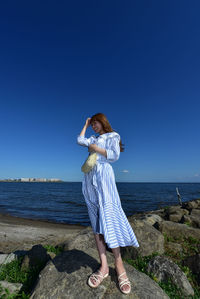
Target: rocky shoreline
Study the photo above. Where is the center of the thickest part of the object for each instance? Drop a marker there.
(169, 237)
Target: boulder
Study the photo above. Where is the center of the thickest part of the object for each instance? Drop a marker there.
(151, 218)
(193, 262)
(175, 247)
(149, 238)
(7, 258)
(163, 268)
(190, 205)
(82, 240)
(175, 213)
(176, 210)
(177, 230)
(194, 221)
(195, 212)
(66, 277)
(12, 287)
(37, 255)
(175, 217)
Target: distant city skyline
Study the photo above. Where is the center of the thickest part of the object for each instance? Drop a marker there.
(32, 179)
(137, 62)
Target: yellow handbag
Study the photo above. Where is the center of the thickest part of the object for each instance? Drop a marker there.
(89, 162)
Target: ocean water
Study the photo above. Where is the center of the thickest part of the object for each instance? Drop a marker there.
(64, 202)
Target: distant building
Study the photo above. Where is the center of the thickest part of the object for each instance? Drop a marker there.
(24, 179)
(32, 180)
(54, 180)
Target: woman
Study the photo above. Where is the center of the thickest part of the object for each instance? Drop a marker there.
(108, 220)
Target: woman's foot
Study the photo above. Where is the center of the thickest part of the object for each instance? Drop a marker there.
(120, 269)
(104, 271)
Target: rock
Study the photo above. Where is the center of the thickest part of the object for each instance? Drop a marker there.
(175, 213)
(163, 268)
(37, 255)
(176, 210)
(66, 277)
(7, 258)
(194, 221)
(12, 287)
(151, 218)
(144, 215)
(195, 212)
(174, 246)
(193, 262)
(82, 240)
(190, 205)
(174, 229)
(51, 254)
(149, 238)
(175, 217)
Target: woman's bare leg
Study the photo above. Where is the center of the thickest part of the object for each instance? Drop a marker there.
(119, 266)
(101, 246)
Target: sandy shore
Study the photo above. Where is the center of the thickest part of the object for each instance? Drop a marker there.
(20, 233)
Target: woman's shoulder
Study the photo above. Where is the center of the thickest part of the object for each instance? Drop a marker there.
(113, 134)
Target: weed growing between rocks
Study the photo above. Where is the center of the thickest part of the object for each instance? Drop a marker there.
(13, 273)
(170, 289)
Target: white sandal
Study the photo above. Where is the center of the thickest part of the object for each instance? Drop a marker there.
(96, 277)
(123, 282)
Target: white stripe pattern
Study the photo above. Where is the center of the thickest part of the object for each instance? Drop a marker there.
(105, 211)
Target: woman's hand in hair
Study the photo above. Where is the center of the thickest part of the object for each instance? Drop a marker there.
(87, 123)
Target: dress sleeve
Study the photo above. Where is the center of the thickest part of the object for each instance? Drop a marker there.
(82, 140)
(113, 148)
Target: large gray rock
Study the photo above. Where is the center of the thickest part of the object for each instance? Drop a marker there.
(149, 238)
(175, 213)
(194, 221)
(163, 268)
(193, 204)
(174, 247)
(37, 255)
(151, 218)
(82, 240)
(6, 258)
(195, 212)
(66, 277)
(193, 262)
(13, 288)
(175, 230)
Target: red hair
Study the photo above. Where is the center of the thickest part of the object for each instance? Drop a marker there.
(106, 125)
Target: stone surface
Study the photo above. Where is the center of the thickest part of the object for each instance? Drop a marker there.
(190, 205)
(175, 247)
(149, 238)
(193, 262)
(7, 258)
(66, 277)
(195, 212)
(151, 218)
(194, 221)
(37, 255)
(82, 240)
(175, 230)
(12, 287)
(163, 268)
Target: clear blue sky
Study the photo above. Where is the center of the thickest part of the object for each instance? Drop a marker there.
(137, 62)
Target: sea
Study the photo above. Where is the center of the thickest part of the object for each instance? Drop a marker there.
(63, 202)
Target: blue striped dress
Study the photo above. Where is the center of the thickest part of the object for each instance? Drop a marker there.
(101, 195)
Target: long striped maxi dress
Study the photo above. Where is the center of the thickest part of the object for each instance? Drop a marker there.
(101, 195)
